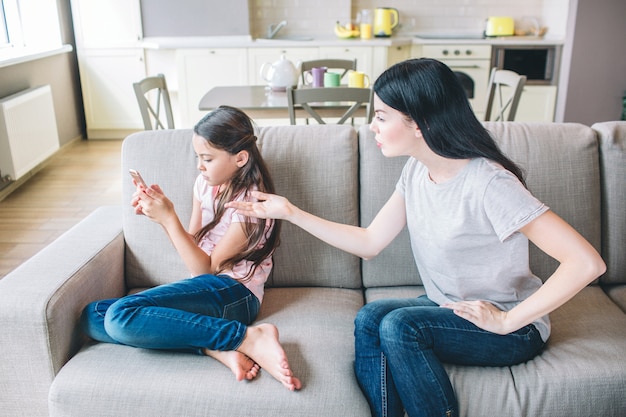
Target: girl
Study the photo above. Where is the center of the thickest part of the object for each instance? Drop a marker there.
(229, 255)
(469, 217)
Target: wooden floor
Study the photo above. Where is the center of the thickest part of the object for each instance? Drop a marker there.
(84, 175)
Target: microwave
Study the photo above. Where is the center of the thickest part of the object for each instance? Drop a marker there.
(539, 63)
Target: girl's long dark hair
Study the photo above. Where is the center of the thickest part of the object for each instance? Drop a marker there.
(428, 92)
(231, 130)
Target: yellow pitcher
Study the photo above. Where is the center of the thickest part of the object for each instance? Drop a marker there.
(385, 20)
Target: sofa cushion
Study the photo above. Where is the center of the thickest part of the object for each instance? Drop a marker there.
(612, 137)
(163, 157)
(321, 177)
(316, 330)
(580, 372)
(378, 176)
(561, 164)
(617, 293)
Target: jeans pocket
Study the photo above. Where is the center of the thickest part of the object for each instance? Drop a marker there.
(244, 310)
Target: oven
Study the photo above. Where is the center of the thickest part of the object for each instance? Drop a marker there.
(471, 64)
(539, 63)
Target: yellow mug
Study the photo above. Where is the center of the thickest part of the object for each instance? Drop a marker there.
(358, 79)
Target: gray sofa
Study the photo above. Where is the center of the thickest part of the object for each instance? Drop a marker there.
(48, 368)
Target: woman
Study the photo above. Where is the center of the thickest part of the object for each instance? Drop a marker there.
(469, 217)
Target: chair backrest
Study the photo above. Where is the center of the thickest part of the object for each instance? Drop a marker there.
(331, 102)
(154, 100)
(343, 64)
(506, 87)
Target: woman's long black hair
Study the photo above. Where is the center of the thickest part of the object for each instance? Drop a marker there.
(428, 92)
(230, 129)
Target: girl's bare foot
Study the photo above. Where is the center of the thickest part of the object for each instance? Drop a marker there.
(262, 346)
(241, 365)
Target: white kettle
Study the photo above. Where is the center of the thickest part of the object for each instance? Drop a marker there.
(281, 74)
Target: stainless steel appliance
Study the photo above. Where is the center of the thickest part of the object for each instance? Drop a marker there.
(539, 63)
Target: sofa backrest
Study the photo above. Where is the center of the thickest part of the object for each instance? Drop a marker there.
(612, 138)
(166, 158)
(315, 167)
(378, 176)
(562, 169)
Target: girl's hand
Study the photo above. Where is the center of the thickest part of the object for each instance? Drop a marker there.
(152, 203)
(483, 314)
(269, 206)
(134, 201)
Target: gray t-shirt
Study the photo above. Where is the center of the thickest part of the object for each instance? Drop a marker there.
(464, 234)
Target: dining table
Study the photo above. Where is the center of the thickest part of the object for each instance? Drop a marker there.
(261, 102)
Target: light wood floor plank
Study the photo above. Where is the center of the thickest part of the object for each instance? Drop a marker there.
(77, 180)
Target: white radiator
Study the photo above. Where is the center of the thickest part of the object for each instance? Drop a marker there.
(28, 131)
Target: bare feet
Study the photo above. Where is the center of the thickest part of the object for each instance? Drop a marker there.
(262, 346)
(241, 365)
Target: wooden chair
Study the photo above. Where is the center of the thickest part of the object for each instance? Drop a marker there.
(330, 102)
(343, 64)
(153, 96)
(507, 87)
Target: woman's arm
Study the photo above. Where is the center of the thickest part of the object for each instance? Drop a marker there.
(158, 208)
(363, 242)
(579, 265)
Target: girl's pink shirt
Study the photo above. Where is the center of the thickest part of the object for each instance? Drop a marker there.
(206, 193)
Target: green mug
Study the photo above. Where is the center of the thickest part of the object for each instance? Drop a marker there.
(332, 79)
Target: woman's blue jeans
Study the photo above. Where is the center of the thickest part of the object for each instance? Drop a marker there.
(207, 311)
(402, 343)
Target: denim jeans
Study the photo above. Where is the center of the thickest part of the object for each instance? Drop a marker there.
(207, 311)
(402, 343)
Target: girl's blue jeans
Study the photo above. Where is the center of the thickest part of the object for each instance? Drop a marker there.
(402, 343)
(207, 311)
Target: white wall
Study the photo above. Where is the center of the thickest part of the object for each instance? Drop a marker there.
(318, 17)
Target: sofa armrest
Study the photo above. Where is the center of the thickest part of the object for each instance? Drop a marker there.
(41, 302)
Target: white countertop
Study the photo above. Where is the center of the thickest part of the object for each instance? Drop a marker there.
(331, 40)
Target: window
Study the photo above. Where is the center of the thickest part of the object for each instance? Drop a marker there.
(28, 26)
(4, 36)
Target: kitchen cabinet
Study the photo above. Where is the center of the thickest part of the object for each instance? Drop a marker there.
(537, 104)
(397, 54)
(362, 54)
(107, 77)
(199, 70)
(259, 56)
(383, 57)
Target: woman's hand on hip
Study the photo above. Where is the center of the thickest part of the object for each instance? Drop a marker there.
(483, 314)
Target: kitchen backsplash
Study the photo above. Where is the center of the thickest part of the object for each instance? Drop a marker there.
(306, 17)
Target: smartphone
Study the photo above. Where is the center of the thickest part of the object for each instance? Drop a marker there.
(137, 177)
